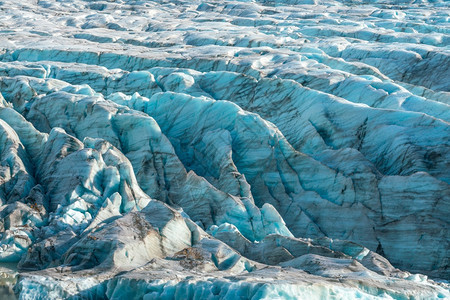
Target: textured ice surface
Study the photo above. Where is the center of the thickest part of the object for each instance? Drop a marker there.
(225, 149)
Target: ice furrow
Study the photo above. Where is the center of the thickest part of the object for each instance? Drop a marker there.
(225, 149)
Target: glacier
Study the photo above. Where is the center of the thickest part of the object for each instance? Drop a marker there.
(237, 149)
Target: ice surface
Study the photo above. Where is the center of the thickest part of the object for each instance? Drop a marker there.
(223, 149)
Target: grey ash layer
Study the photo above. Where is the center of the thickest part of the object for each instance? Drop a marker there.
(202, 149)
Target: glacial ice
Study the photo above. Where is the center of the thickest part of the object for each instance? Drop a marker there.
(221, 149)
